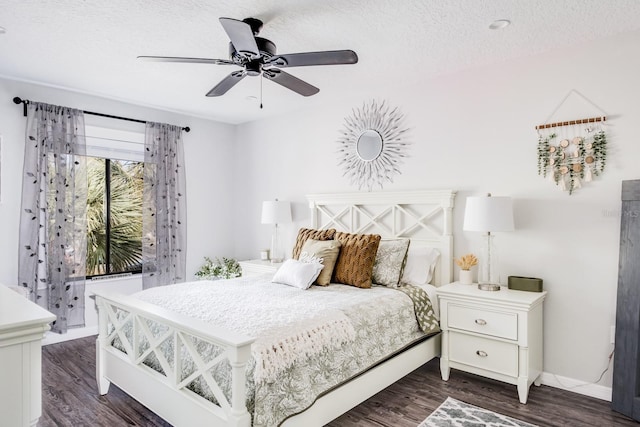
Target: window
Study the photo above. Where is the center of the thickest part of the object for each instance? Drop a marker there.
(114, 203)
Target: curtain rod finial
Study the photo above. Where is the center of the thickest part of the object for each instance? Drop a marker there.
(17, 100)
(186, 129)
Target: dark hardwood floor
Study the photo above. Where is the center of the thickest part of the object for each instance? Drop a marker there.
(70, 398)
(70, 394)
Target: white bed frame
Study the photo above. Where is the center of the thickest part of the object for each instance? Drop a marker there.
(423, 216)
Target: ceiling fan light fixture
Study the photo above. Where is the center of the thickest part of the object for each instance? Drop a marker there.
(499, 24)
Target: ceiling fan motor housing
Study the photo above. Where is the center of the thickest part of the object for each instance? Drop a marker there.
(253, 66)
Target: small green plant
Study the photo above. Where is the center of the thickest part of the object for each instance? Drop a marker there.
(227, 268)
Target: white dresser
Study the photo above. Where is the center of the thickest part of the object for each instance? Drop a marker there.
(254, 267)
(22, 326)
(494, 334)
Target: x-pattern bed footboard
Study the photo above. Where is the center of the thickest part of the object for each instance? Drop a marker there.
(133, 332)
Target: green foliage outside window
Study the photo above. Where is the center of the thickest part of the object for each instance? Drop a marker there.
(126, 216)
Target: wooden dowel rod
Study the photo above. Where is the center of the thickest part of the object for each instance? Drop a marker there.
(572, 122)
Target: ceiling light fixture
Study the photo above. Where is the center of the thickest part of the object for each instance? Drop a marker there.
(499, 24)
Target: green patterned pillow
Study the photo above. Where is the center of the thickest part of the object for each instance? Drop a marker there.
(390, 261)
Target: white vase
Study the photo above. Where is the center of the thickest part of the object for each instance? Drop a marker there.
(466, 277)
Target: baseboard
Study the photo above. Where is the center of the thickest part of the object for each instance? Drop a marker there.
(72, 334)
(576, 386)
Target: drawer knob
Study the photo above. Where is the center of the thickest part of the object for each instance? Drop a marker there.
(481, 322)
(481, 353)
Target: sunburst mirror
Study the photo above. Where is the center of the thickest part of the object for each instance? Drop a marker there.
(372, 145)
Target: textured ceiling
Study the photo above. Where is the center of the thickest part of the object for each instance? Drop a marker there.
(91, 45)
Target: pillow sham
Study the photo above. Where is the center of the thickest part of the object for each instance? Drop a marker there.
(310, 233)
(390, 261)
(297, 273)
(328, 251)
(421, 262)
(355, 262)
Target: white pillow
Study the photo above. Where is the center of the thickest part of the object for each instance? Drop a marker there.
(297, 273)
(421, 262)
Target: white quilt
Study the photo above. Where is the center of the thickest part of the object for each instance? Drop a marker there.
(289, 324)
(293, 323)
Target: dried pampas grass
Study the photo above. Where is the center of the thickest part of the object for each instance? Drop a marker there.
(467, 261)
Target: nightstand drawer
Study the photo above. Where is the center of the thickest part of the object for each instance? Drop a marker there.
(484, 353)
(487, 322)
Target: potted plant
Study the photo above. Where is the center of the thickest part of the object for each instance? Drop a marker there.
(465, 263)
(227, 268)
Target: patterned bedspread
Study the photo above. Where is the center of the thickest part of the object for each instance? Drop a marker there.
(355, 329)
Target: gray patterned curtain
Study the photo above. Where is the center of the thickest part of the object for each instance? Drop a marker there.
(164, 207)
(53, 231)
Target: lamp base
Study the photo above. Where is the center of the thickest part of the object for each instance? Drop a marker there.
(488, 287)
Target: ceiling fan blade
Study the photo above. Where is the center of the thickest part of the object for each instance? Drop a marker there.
(188, 60)
(328, 57)
(241, 36)
(227, 83)
(290, 82)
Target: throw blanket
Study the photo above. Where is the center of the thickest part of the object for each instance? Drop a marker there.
(289, 324)
(425, 315)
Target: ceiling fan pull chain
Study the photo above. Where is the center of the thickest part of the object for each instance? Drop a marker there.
(261, 94)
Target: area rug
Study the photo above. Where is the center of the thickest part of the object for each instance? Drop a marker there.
(453, 413)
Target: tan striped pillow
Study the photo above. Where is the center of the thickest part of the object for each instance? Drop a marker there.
(310, 233)
(355, 261)
(328, 250)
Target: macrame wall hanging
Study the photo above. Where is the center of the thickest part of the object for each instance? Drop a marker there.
(574, 151)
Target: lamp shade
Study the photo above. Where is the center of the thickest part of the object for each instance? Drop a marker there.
(276, 212)
(486, 213)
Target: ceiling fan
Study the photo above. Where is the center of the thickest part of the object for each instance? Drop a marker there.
(257, 55)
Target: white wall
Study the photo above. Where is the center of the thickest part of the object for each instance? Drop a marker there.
(209, 148)
(474, 132)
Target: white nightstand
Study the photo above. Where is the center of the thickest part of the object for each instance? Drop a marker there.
(494, 334)
(254, 267)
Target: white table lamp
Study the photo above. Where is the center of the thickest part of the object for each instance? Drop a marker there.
(488, 214)
(276, 212)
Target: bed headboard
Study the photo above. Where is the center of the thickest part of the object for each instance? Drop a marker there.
(424, 216)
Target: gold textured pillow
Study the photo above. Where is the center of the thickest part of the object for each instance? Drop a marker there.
(355, 261)
(328, 250)
(310, 233)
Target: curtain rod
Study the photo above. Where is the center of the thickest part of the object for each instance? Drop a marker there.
(24, 102)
